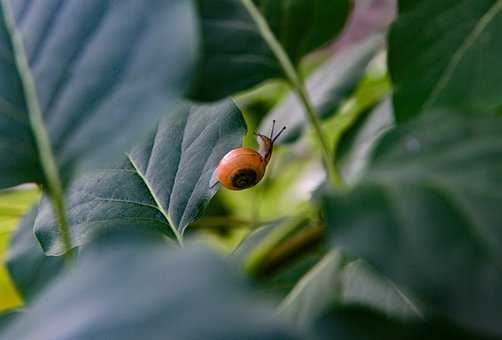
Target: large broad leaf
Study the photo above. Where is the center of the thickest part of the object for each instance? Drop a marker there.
(163, 184)
(99, 73)
(445, 53)
(334, 281)
(30, 270)
(358, 323)
(328, 87)
(427, 215)
(130, 285)
(310, 23)
(234, 54)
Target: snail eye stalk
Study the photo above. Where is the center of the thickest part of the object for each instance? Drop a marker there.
(277, 136)
(273, 128)
(272, 138)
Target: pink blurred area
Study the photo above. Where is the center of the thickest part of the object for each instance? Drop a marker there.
(368, 17)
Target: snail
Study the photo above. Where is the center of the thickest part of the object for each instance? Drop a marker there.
(243, 168)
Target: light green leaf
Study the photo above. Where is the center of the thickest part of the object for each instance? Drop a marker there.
(13, 205)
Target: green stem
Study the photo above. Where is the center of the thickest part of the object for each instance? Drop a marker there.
(298, 86)
(47, 159)
(328, 159)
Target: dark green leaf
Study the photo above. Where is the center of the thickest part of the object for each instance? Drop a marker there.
(362, 285)
(103, 72)
(328, 87)
(315, 291)
(163, 184)
(357, 323)
(234, 55)
(444, 53)
(30, 270)
(333, 280)
(6, 318)
(130, 285)
(302, 26)
(427, 215)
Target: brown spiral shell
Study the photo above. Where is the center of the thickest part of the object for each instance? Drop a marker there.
(241, 168)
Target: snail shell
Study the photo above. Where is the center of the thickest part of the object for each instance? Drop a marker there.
(241, 168)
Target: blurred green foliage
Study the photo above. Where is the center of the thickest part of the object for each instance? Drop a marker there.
(13, 205)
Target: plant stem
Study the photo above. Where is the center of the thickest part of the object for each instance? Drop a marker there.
(40, 134)
(299, 88)
(328, 160)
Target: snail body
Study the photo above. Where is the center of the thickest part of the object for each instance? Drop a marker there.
(243, 168)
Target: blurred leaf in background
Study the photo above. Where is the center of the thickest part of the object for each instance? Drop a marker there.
(362, 323)
(328, 86)
(13, 205)
(236, 57)
(30, 270)
(131, 284)
(426, 215)
(78, 91)
(437, 60)
(337, 280)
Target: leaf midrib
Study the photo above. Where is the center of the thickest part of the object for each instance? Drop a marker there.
(156, 200)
